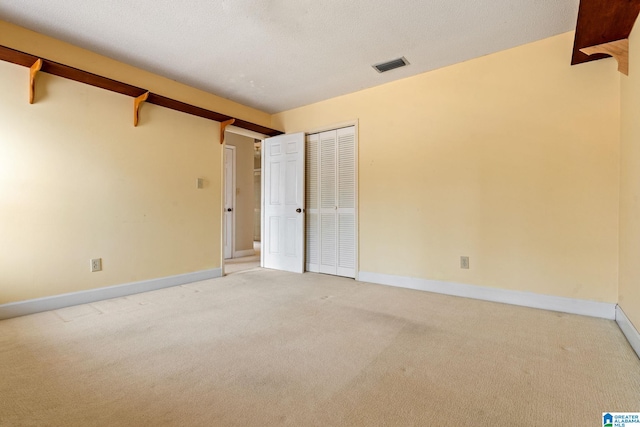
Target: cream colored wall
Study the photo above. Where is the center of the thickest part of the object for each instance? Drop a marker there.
(630, 185)
(244, 190)
(511, 159)
(78, 181)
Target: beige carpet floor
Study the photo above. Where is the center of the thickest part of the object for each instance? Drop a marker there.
(263, 348)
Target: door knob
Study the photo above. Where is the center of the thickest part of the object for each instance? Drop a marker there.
(229, 209)
(298, 210)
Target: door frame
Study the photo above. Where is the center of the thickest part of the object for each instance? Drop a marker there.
(262, 221)
(262, 137)
(238, 131)
(259, 173)
(233, 200)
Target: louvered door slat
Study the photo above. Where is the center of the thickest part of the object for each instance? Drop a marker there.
(346, 169)
(327, 173)
(346, 241)
(311, 204)
(312, 172)
(312, 242)
(328, 243)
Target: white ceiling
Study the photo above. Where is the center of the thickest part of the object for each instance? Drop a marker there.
(279, 54)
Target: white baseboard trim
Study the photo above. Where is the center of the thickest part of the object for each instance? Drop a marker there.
(246, 252)
(526, 299)
(22, 308)
(629, 331)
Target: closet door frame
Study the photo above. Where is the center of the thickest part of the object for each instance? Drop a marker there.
(357, 184)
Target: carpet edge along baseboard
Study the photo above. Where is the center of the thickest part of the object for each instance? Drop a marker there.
(37, 305)
(582, 307)
(628, 329)
(526, 299)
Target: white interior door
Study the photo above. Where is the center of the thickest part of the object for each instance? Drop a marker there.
(283, 195)
(229, 200)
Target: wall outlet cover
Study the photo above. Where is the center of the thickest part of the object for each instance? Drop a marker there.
(464, 262)
(96, 264)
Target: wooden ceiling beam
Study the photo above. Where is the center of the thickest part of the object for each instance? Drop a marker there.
(27, 60)
(601, 22)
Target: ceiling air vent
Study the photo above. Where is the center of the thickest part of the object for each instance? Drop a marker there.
(390, 65)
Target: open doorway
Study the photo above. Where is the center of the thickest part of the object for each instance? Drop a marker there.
(242, 250)
(327, 240)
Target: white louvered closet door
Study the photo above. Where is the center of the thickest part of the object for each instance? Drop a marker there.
(331, 202)
(346, 202)
(312, 212)
(328, 203)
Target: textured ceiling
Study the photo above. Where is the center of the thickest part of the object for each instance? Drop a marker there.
(279, 54)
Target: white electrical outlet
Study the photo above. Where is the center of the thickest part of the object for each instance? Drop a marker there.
(96, 264)
(464, 262)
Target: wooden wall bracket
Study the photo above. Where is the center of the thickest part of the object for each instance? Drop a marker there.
(619, 49)
(37, 66)
(137, 102)
(223, 126)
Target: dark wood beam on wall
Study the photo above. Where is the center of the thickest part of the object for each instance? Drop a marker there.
(600, 22)
(57, 69)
